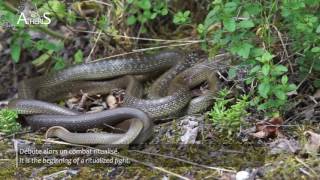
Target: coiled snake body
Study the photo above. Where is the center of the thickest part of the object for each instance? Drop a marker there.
(169, 95)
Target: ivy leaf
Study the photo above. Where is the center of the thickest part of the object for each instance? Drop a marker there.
(265, 69)
(15, 52)
(263, 89)
(246, 24)
(229, 24)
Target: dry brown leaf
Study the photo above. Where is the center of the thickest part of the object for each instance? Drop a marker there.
(112, 102)
(268, 128)
(313, 144)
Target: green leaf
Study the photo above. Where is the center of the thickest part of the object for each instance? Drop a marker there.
(56, 6)
(265, 69)
(78, 57)
(186, 13)
(246, 24)
(164, 11)
(284, 79)
(292, 87)
(232, 73)
(253, 9)
(279, 70)
(144, 4)
(15, 52)
(280, 94)
(42, 59)
(264, 89)
(255, 69)
(242, 49)
(131, 20)
(266, 57)
(315, 49)
(263, 106)
(230, 7)
(229, 24)
(60, 64)
(318, 29)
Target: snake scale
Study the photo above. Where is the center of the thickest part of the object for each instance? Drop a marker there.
(169, 95)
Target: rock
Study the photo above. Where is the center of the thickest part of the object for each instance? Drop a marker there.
(242, 175)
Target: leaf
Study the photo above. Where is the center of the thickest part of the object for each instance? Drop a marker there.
(144, 4)
(230, 7)
(280, 94)
(266, 57)
(264, 89)
(242, 49)
(313, 142)
(131, 20)
(284, 79)
(246, 24)
(253, 9)
(315, 49)
(60, 64)
(78, 57)
(269, 128)
(15, 52)
(229, 24)
(42, 59)
(279, 70)
(265, 69)
(292, 87)
(232, 73)
(255, 69)
(318, 29)
(186, 13)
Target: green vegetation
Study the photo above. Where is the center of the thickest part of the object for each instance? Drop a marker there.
(8, 123)
(225, 118)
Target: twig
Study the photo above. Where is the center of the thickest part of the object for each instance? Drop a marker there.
(144, 39)
(306, 165)
(99, 2)
(142, 50)
(160, 47)
(94, 46)
(185, 161)
(305, 78)
(284, 47)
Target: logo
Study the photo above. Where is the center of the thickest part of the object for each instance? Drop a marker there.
(34, 18)
(27, 14)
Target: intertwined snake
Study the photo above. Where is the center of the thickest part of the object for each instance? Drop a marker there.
(169, 95)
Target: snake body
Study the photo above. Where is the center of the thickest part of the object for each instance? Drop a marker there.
(90, 78)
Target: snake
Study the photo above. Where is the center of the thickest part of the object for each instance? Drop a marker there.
(101, 77)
